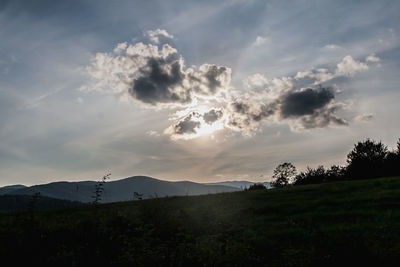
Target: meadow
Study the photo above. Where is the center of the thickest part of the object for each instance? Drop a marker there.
(332, 224)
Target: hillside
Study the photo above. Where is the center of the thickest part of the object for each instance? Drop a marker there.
(7, 189)
(121, 190)
(352, 223)
(24, 203)
(239, 184)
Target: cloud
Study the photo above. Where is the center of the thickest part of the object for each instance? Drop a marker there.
(212, 116)
(319, 75)
(320, 118)
(349, 67)
(202, 99)
(187, 125)
(372, 58)
(245, 115)
(365, 117)
(196, 123)
(256, 81)
(153, 133)
(156, 34)
(301, 109)
(332, 46)
(160, 81)
(209, 79)
(155, 75)
(305, 102)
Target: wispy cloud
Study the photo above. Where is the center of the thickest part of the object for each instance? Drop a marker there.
(35, 102)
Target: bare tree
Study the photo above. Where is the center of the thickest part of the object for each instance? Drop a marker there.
(99, 188)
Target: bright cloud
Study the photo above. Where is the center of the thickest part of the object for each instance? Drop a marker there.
(156, 34)
(202, 100)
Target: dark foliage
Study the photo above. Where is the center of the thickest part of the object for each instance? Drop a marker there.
(256, 186)
(368, 159)
(311, 176)
(320, 175)
(335, 173)
(283, 174)
(30, 203)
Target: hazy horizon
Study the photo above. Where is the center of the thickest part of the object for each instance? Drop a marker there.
(189, 90)
(113, 179)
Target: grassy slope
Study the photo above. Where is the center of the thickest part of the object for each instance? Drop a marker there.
(329, 224)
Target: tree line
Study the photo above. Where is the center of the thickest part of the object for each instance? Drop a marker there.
(368, 159)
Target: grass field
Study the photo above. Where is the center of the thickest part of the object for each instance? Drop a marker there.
(353, 223)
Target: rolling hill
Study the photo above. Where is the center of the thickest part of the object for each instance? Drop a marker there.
(7, 189)
(121, 190)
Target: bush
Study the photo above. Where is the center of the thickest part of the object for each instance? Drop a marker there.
(257, 186)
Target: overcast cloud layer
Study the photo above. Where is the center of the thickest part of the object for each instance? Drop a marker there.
(192, 90)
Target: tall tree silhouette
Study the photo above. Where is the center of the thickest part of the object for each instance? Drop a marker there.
(283, 174)
(366, 160)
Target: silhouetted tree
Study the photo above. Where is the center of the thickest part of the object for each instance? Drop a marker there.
(283, 174)
(99, 188)
(398, 147)
(366, 160)
(256, 186)
(311, 176)
(392, 162)
(336, 173)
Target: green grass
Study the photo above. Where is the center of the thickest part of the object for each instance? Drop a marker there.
(353, 222)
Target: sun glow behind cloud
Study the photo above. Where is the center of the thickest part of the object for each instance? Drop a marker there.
(201, 100)
(202, 129)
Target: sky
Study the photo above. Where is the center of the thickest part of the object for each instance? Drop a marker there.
(204, 91)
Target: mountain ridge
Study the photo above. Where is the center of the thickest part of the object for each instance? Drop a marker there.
(120, 190)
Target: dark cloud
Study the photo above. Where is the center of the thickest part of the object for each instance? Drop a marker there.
(322, 118)
(212, 116)
(247, 114)
(209, 79)
(309, 108)
(255, 111)
(155, 74)
(305, 102)
(187, 125)
(160, 81)
(264, 112)
(240, 107)
(212, 75)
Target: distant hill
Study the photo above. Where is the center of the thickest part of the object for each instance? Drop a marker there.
(239, 184)
(6, 189)
(122, 190)
(23, 202)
